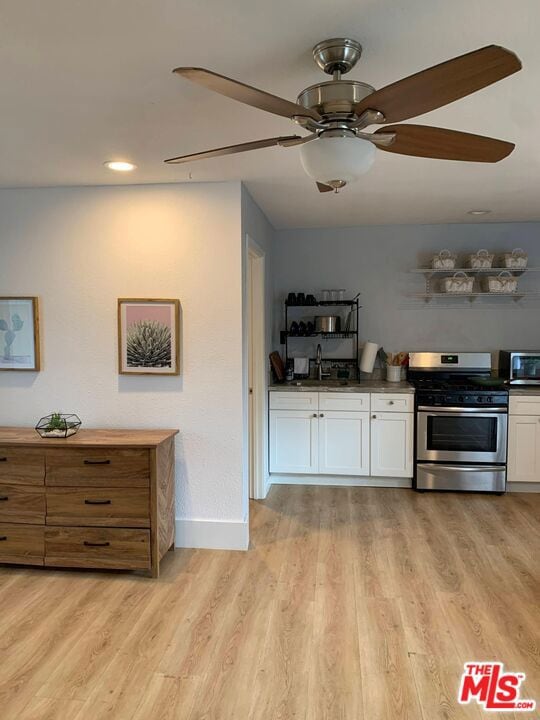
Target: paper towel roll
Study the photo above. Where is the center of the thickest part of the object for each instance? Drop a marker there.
(369, 354)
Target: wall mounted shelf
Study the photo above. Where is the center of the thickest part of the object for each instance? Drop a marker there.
(516, 297)
(431, 275)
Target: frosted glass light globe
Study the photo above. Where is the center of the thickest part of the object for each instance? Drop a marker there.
(342, 158)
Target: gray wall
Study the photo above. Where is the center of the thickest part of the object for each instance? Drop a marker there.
(376, 259)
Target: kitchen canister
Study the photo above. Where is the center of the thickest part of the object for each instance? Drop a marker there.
(393, 373)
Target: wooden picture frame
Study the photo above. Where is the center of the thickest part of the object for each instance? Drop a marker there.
(144, 319)
(19, 334)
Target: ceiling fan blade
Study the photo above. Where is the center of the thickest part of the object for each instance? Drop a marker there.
(441, 84)
(298, 140)
(245, 93)
(434, 142)
(232, 149)
(324, 188)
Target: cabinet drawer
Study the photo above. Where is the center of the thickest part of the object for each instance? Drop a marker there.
(116, 507)
(22, 466)
(294, 400)
(525, 405)
(22, 504)
(97, 548)
(346, 402)
(96, 467)
(392, 402)
(22, 543)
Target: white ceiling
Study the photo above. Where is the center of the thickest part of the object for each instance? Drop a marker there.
(83, 81)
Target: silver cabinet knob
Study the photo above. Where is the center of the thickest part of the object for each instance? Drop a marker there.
(321, 415)
(315, 415)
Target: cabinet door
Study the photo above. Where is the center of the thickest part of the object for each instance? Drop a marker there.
(344, 443)
(294, 441)
(524, 448)
(392, 444)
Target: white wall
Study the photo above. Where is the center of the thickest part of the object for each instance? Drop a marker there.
(376, 259)
(79, 249)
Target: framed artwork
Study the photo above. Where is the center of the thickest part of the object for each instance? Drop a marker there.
(148, 337)
(19, 333)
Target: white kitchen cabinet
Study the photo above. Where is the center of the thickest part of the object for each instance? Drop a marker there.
(344, 443)
(524, 447)
(392, 444)
(294, 441)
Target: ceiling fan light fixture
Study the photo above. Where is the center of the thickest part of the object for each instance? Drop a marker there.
(336, 160)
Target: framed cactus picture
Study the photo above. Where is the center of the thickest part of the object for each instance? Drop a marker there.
(148, 337)
(19, 334)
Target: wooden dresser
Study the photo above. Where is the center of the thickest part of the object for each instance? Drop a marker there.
(99, 499)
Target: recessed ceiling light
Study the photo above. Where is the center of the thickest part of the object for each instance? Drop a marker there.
(479, 212)
(120, 165)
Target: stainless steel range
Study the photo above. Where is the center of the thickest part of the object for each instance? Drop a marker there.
(461, 423)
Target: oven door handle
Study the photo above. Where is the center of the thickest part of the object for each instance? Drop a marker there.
(460, 468)
(488, 411)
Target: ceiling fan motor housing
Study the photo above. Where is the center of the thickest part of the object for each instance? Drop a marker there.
(335, 96)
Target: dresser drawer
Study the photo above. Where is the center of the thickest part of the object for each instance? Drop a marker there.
(392, 402)
(22, 466)
(97, 548)
(22, 544)
(96, 467)
(22, 504)
(116, 507)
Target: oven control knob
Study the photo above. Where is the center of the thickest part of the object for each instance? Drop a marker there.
(461, 398)
(489, 399)
(480, 399)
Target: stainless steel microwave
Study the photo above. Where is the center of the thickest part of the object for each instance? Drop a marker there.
(520, 368)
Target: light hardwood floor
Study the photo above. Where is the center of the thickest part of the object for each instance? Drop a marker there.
(352, 603)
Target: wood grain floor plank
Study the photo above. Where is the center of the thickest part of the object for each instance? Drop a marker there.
(352, 603)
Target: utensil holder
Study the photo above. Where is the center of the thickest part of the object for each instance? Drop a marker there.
(393, 373)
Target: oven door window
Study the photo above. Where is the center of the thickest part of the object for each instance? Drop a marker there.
(462, 434)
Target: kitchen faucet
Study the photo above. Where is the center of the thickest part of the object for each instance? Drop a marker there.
(318, 363)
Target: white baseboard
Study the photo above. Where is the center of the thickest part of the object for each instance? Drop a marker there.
(340, 481)
(523, 487)
(212, 534)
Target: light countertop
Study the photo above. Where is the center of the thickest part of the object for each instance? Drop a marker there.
(364, 386)
(517, 390)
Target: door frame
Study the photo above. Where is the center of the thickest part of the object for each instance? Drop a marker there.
(258, 427)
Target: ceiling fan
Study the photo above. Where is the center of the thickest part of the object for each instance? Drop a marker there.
(338, 150)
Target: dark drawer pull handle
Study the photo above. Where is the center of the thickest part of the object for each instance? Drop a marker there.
(3, 498)
(97, 462)
(97, 502)
(96, 544)
(3, 537)
(3, 459)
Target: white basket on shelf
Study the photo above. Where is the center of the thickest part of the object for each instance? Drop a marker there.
(517, 259)
(458, 283)
(481, 260)
(504, 283)
(445, 260)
